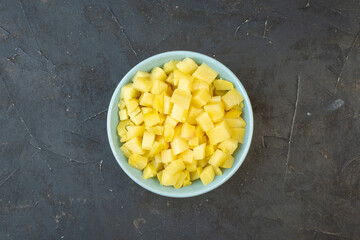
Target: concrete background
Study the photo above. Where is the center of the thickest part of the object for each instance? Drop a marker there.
(61, 60)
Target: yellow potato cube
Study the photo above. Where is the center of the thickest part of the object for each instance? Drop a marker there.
(131, 104)
(187, 131)
(151, 119)
(195, 174)
(232, 98)
(187, 66)
(220, 92)
(170, 79)
(122, 125)
(219, 133)
(181, 98)
(194, 141)
(158, 87)
(211, 90)
(207, 175)
(228, 162)
(191, 166)
(218, 158)
(180, 181)
(158, 166)
(209, 150)
(128, 91)
(157, 74)
(141, 74)
(199, 152)
(178, 145)
(167, 105)
(142, 84)
(216, 99)
(156, 148)
(148, 140)
(178, 113)
(175, 166)
(217, 171)
(228, 146)
(123, 115)
(149, 171)
(203, 162)
(157, 130)
(204, 121)
(220, 84)
(147, 99)
(185, 85)
(169, 66)
(159, 177)
(134, 145)
(235, 122)
(138, 161)
(146, 110)
(199, 84)
(170, 121)
(168, 179)
(159, 103)
(138, 119)
(179, 75)
(233, 113)
(134, 131)
(187, 156)
(169, 133)
(134, 113)
(200, 98)
(238, 134)
(193, 114)
(215, 110)
(186, 183)
(121, 104)
(205, 73)
(167, 156)
(125, 151)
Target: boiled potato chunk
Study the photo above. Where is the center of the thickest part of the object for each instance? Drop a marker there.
(205, 73)
(187, 66)
(219, 133)
(180, 122)
(149, 171)
(204, 121)
(218, 158)
(220, 84)
(138, 161)
(207, 175)
(232, 98)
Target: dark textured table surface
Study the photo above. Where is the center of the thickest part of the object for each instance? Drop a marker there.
(61, 60)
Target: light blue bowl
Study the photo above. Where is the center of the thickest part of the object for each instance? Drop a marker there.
(152, 184)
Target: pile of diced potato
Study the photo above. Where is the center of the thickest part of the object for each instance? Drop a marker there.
(180, 123)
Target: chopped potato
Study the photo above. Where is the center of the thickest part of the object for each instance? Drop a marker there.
(180, 122)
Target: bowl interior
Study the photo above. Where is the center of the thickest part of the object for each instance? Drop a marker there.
(196, 188)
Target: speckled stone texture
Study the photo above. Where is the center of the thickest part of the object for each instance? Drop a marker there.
(61, 60)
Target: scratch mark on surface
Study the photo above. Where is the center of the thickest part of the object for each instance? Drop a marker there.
(4, 33)
(8, 177)
(307, 4)
(238, 27)
(94, 116)
(35, 144)
(100, 168)
(344, 64)
(137, 223)
(349, 162)
(338, 103)
(124, 33)
(292, 126)
(327, 233)
(263, 142)
(46, 58)
(29, 25)
(65, 157)
(265, 27)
